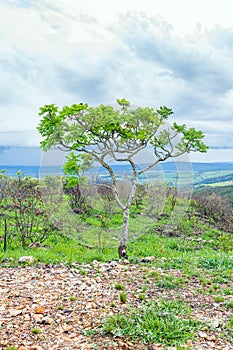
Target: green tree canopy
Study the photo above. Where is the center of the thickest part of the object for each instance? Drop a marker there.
(121, 133)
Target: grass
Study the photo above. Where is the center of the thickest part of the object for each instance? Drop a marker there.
(219, 299)
(228, 329)
(169, 254)
(161, 321)
(119, 286)
(229, 305)
(169, 282)
(123, 297)
(36, 331)
(63, 250)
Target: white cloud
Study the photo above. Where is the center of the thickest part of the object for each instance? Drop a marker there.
(68, 52)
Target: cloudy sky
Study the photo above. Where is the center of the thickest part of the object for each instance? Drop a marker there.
(152, 52)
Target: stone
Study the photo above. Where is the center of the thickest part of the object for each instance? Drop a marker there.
(37, 317)
(202, 335)
(148, 259)
(27, 259)
(14, 312)
(40, 310)
(47, 320)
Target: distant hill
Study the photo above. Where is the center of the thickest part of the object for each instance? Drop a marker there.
(225, 191)
(216, 179)
(174, 166)
(199, 166)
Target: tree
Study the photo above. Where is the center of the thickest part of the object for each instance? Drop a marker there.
(74, 169)
(120, 133)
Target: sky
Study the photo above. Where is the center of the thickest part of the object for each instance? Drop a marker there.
(151, 52)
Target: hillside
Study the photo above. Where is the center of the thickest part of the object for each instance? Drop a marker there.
(223, 190)
(63, 285)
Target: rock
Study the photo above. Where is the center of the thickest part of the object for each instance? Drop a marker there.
(37, 317)
(35, 245)
(148, 259)
(40, 310)
(215, 323)
(14, 312)
(125, 262)
(67, 327)
(95, 262)
(27, 259)
(202, 335)
(47, 320)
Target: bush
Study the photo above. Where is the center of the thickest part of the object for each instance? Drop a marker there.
(214, 208)
(22, 211)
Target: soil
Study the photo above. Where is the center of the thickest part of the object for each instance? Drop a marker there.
(58, 307)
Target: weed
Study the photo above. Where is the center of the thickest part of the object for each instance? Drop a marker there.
(213, 290)
(144, 288)
(60, 307)
(228, 291)
(154, 274)
(156, 322)
(73, 298)
(230, 322)
(119, 286)
(36, 331)
(123, 297)
(229, 305)
(216, 262)
(142, 297)
(89, 332)
(191, 272)
(220, 279)
(219, 299)
(204, 280)
(170, 282)
(95, 346)
(225, 242)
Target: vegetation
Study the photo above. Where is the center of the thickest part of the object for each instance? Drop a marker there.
(162, 321)
(23, 212)
(80, 224)
(27, 224)
(120, 134)
(196, 246)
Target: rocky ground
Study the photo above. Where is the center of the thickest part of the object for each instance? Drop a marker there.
(56, 307)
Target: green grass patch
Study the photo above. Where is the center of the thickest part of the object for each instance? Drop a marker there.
(123, 297)
(119, 286)
(170, 282)
(166, 322)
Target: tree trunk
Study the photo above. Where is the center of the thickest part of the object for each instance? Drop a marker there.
(5, 236)
(124, 235)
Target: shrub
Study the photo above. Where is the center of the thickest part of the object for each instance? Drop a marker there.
(22, 210)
